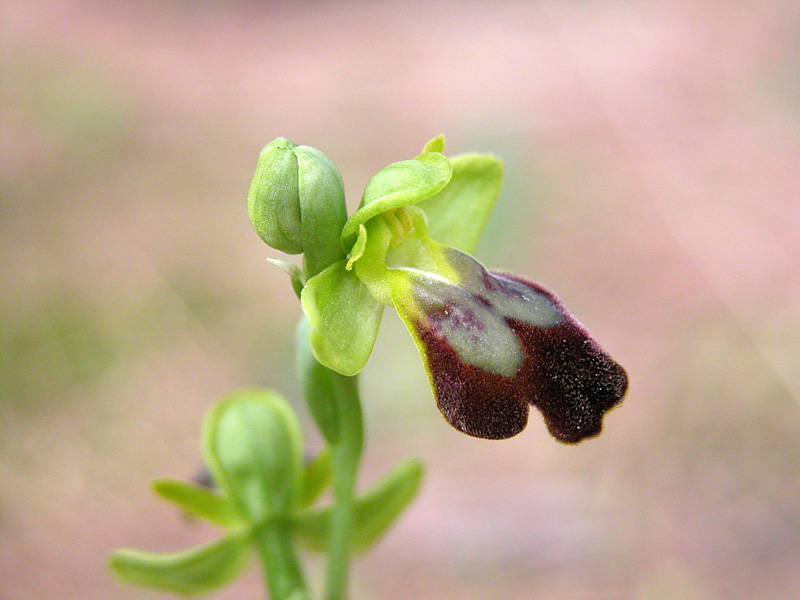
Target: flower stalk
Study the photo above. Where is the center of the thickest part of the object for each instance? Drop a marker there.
(336, 407)
(345, 459)
(282, 573)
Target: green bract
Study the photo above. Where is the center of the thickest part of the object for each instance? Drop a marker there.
(199, 501)
(375, 511)
(194, 571)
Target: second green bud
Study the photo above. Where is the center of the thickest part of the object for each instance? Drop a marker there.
(296, 203)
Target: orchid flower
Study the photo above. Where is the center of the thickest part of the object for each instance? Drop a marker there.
(493, 343)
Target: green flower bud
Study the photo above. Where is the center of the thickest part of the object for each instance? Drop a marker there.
(253, 446)
(296, 203)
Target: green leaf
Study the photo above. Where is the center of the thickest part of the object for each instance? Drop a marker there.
(198, 501)
(458, 214)
(400, 184)
(253, 448)
(374, 513)
(344, 319)
(198, 570)
(316, 477)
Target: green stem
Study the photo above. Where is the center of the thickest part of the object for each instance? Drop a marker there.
(335, 405)
(282, 573)
(345, 458)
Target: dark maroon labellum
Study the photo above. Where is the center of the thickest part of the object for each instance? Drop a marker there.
(564, 373)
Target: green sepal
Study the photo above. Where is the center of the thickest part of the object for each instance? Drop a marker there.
(292, 270)
(374, 512)
(198, 570)
(273, 200)
(344, 318)
(252, 444)
(400, 184)
(323, 209)
(458, 214)
(316, 477)
(199, 501)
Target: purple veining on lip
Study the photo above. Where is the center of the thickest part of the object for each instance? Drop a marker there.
(565, 373)
(455, 316)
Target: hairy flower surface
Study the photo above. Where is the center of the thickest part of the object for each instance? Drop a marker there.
(493, 344)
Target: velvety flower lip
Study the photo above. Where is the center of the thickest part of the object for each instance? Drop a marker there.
(562, 370)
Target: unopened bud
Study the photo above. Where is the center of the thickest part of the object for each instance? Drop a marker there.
(296, 203)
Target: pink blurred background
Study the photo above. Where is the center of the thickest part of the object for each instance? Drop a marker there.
(652, 155)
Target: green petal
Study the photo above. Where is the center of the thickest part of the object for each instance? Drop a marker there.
(253, 448)
(435, 144)
(400, 184)
(344, 319)
(358, 248)
(198, 501)
(375, 511)
(458, 214)
(198, 570)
